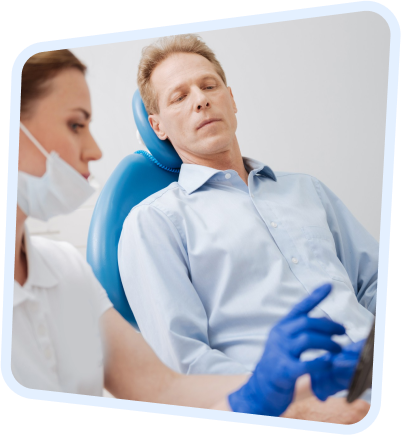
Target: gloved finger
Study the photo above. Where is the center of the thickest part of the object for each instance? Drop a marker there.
(354, 347)
(316, 366)
(309, 302)
(309, 324)
(312, 340)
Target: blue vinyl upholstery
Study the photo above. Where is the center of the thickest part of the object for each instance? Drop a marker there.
(137, 176)
(161, 150)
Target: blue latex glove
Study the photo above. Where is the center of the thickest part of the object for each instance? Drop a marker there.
(338, 378)
(270, 389)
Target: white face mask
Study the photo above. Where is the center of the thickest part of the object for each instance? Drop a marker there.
(60, 190)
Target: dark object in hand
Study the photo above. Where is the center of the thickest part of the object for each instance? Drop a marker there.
(362, 379)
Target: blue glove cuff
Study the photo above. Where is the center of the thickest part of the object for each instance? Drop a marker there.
(249, 399)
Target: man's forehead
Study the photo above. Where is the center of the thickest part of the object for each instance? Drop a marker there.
(178, 68)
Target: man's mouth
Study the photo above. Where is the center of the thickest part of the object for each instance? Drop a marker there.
(207, 121)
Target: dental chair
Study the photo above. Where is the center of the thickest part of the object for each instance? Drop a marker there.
(138, 176)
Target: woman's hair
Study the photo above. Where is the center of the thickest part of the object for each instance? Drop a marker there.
(37, 72)
(154, 54)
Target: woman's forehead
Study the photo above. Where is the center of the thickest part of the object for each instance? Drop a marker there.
(68, 90)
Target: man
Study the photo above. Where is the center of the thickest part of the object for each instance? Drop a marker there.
(210, 263)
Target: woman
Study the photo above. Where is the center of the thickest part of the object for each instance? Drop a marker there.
(58, 302)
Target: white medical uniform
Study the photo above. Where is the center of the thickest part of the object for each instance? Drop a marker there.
(56, 341)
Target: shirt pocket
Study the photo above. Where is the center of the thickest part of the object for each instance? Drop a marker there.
(322, 248)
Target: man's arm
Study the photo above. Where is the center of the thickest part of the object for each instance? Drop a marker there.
(155, 273)
(357, 250)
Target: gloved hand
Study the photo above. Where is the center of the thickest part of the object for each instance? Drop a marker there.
(338, 378)
(270, 389)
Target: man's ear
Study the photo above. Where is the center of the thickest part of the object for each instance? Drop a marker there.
(155, 124)
(232, 99)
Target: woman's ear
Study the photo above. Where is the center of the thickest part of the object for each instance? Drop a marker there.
(157, 128)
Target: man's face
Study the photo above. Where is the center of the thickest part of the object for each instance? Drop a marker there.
(197, 110)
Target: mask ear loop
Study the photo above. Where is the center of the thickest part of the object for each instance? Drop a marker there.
(33, 139)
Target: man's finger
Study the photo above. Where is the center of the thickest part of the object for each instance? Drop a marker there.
(309, 302)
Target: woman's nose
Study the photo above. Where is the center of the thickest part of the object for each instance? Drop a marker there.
(91, 150)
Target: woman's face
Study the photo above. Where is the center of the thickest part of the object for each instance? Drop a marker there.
(60, 122)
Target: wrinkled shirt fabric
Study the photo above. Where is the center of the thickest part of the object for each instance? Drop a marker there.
(209, 264)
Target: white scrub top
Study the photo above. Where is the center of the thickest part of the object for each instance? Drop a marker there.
(56, 341)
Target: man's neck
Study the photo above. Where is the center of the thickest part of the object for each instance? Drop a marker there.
(230, 159)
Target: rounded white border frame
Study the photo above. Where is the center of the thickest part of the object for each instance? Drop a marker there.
(384, 227)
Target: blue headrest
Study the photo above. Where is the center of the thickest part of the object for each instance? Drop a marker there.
(162, 150)
(134, 179)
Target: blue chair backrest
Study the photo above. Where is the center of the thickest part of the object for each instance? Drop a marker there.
(138, 176)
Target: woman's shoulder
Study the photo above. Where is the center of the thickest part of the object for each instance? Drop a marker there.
(75, 275)
(57, 247)
(59, 255)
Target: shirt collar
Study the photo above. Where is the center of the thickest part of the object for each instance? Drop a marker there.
(39, 272)
(192, 176)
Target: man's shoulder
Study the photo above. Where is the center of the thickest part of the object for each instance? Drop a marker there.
(163, 195)
(163, 201)
(294, 175)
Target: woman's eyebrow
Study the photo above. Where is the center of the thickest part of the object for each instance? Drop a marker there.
(85, 113)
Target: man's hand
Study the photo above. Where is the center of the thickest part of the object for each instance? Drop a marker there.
(338, 378)
(333, 410)
(270, 389)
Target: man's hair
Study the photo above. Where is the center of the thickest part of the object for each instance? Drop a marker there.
(154, 54)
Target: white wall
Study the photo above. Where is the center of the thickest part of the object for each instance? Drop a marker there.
(311, 96)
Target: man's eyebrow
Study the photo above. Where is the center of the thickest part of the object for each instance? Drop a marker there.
(86, 114)
(170, 91)
(207, 77)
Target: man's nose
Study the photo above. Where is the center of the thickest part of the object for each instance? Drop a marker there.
(201, 100)
(91, 150)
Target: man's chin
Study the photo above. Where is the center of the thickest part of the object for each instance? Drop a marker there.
(213, 146)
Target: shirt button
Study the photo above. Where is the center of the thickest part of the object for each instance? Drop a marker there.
(34, 307)
(42, 330)
(294, 260)
(228, 176)
(48, 353)
(274, 225)
(252, 195)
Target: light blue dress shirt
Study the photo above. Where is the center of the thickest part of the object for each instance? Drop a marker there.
(209, 264)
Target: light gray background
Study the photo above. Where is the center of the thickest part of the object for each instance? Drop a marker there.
(311, 97)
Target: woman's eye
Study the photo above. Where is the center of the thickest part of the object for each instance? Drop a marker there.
(180, 98)
(75, 126)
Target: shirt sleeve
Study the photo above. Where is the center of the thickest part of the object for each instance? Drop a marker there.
(155, 273)
(357, 250)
